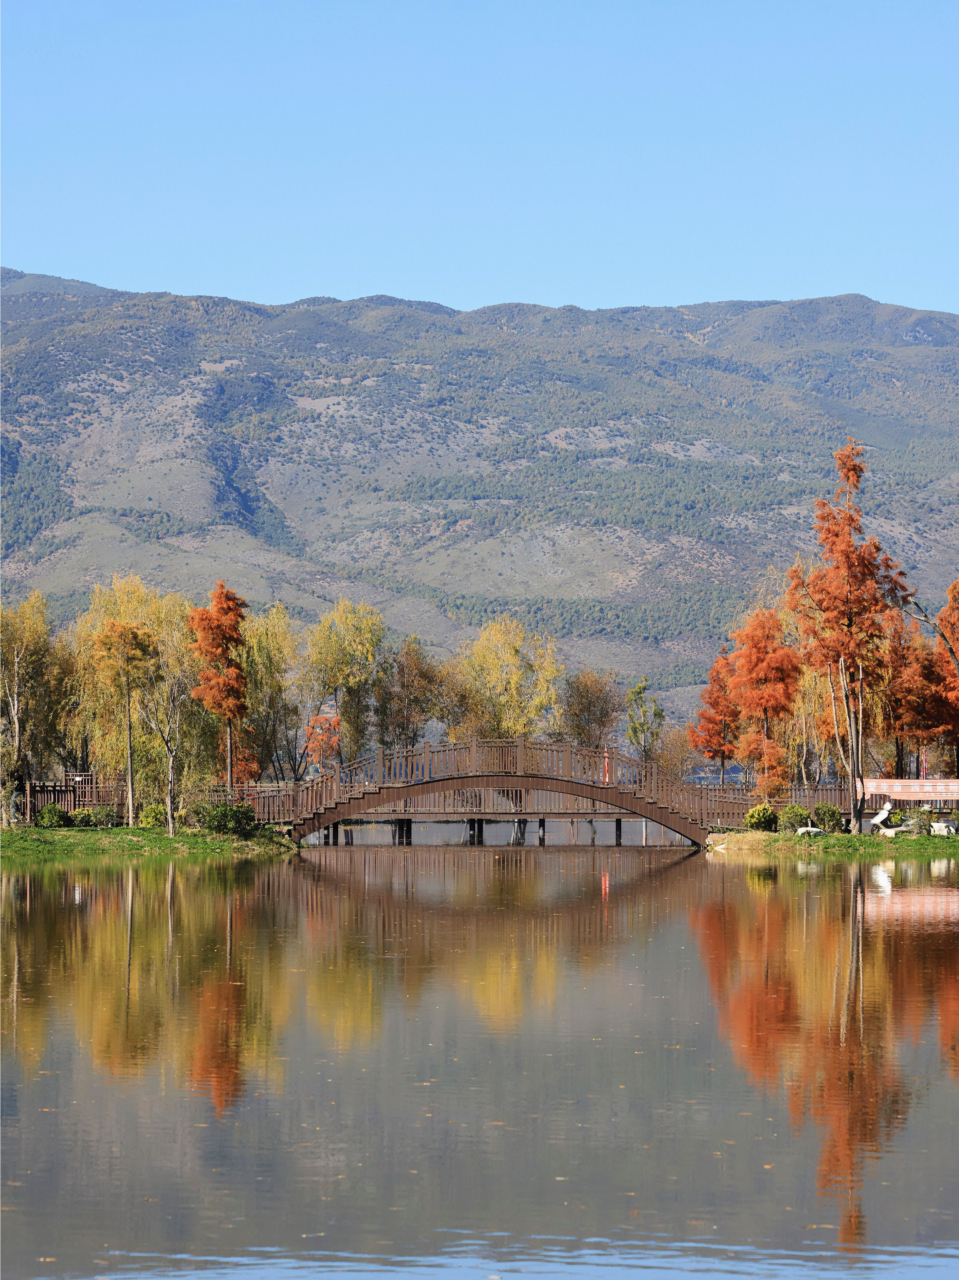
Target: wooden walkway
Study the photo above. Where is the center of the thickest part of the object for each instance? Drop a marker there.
(501, 779)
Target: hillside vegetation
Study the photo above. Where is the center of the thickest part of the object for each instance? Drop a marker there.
(620, 478)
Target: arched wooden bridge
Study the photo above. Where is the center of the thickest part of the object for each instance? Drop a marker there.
(495, 779)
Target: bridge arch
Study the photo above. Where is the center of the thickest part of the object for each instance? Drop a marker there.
(400, 784)
(614, 802)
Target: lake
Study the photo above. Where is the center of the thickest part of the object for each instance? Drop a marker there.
(481, 1062)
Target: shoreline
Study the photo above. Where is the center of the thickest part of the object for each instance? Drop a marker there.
(22, 848)
(767, 846)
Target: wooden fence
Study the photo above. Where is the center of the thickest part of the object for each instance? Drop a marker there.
(76, 791)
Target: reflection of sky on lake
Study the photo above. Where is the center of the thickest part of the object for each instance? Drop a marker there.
(480, 1060)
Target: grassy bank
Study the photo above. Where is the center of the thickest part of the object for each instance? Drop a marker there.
(22, 847)
(746, 846)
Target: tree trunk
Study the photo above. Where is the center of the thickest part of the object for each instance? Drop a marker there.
(857, 790)
(229, 757)
(129, 759)
(171, 759)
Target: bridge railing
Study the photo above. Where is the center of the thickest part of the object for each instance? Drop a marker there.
(379, 771)
(706, 806)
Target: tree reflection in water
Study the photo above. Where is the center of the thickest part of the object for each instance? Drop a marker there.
(195, 967)
(195, 972)
(816, 987)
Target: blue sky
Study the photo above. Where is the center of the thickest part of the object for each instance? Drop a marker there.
(598, 153)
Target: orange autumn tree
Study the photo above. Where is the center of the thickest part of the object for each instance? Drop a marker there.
(222, 687)
(945, 626)
(123, 654)
(717, 726)
(947, 662)
(911, 700)
(322, 739)
(763, 682)
(842, 606)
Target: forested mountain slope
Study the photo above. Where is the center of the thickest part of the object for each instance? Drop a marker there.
(620, 478)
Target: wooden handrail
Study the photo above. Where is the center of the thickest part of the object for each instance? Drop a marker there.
(703, 805)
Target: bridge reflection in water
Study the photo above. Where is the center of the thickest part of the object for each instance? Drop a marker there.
(572, 829)
(394, 1050)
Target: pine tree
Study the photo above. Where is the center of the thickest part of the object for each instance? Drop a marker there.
(644, 719)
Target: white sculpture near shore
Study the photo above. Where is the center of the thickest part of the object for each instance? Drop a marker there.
(946, 827)
(881, 821)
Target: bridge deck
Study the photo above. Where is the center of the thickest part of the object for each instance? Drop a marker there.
(505, 778)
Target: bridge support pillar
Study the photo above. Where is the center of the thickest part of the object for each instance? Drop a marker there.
(619, 831)
(474, 829)
(335, 833)
(541, 833)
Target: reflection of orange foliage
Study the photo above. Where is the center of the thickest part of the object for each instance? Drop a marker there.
(215, 1063)
(813, 1000)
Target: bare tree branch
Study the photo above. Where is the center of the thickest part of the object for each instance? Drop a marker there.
(921, 615)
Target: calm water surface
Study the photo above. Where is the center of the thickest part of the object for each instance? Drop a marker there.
(481, 1062)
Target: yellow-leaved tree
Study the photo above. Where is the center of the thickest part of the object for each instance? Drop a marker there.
(342, 655)
(171, 743)
(276, 694)
(35, 674)
(503, 684)
(123, 654)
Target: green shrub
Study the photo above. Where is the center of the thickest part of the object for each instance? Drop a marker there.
(152, 816)
(761, 817)
(828, 817)
(82, 818)
(792, 817)
(51, 815)
(897, 818)
(104, 815)
(923, 822)
(227, 819)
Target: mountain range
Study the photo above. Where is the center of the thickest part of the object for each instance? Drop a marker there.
(620, 478)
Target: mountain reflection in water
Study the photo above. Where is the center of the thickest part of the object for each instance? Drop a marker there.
(395, 1053)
